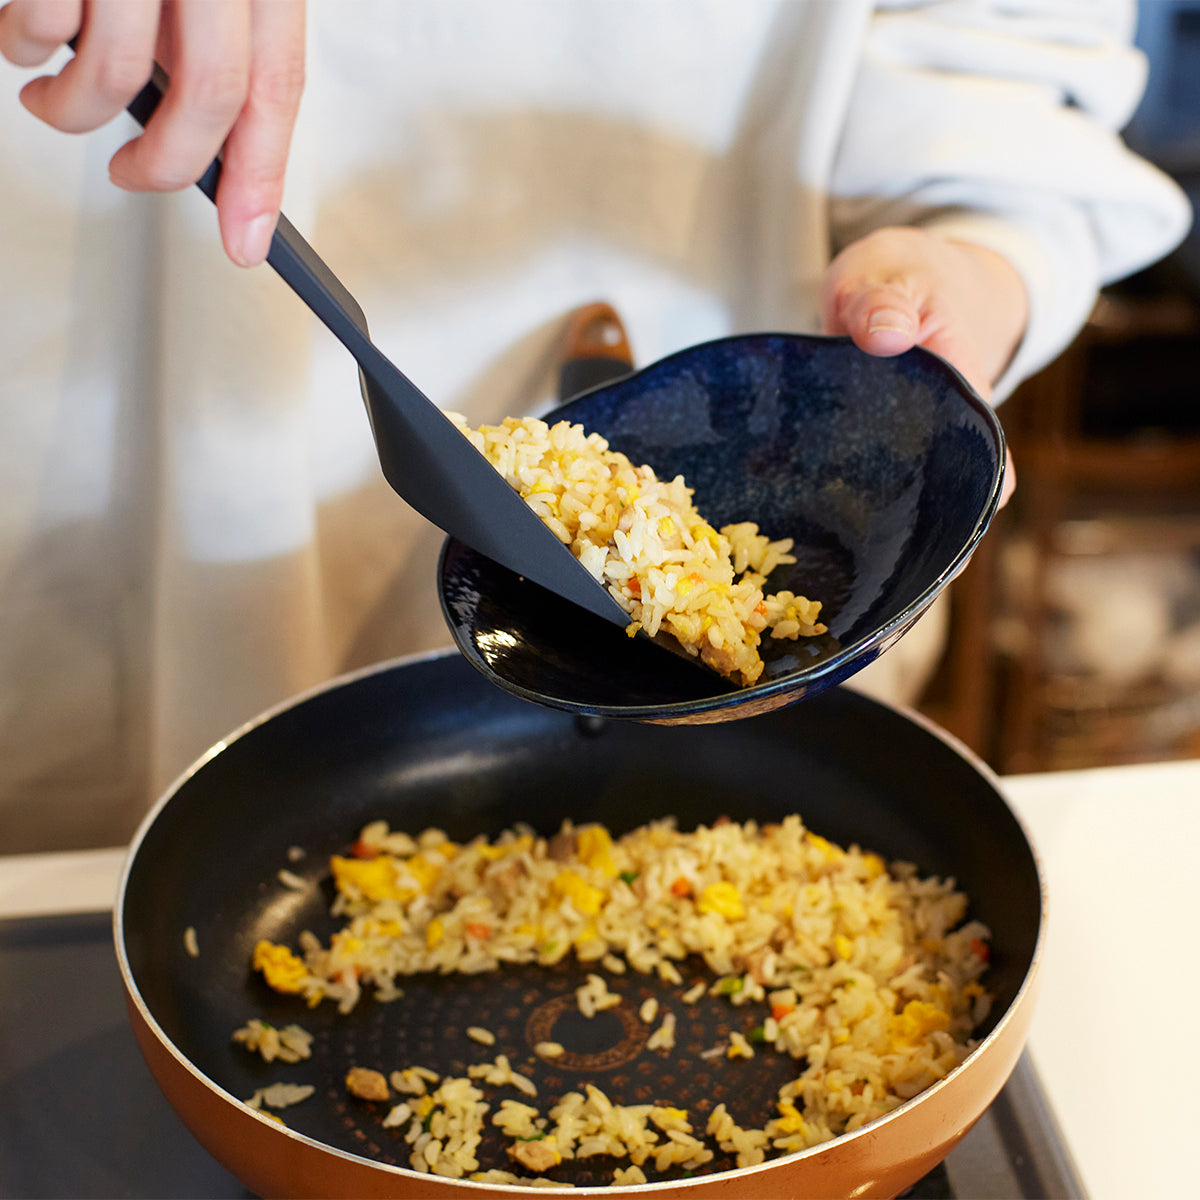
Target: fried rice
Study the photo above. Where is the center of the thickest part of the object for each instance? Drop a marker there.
(862, 972)
(643, 539)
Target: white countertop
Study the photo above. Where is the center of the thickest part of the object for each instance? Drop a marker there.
(1113, 1036)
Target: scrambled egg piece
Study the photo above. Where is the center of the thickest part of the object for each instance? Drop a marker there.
(907, 1028)
(282, 970)
(664, 1114)
(382, 878)
(491, 853)
(387, 928)
(722, 898)
(583, 896)
(875, 865)
(423, 871)
(373, 878)
(789, 1119)
(829, 851)
(594, 847)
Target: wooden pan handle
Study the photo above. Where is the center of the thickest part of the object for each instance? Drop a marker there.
(595, 350)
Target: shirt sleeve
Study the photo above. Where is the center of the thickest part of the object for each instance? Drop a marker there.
(998, 123)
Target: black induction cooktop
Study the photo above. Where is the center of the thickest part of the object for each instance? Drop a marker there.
(81, 1116)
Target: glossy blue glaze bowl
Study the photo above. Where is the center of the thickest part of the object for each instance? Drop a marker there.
(885, 471)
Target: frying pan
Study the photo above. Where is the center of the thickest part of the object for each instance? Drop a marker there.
(427, 741)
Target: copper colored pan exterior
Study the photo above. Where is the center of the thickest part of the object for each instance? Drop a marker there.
(880, 1160)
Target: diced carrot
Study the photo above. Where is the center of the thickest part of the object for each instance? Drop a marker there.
(635, 586)
(360, 849)
(981, 949)
(478, 930)
(779, 1011)
(681, 887)
(761, 608)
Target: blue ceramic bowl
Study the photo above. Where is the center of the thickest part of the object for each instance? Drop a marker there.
(885, 471)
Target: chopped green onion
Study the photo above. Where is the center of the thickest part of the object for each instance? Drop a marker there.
(628, 876)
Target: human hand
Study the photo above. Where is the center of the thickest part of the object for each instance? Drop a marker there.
(902, 287)
(236, 71)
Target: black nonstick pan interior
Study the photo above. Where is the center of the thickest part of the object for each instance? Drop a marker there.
(429, 742)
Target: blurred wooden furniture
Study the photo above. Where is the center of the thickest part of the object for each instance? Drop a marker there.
(1111, 432)
(961, 697)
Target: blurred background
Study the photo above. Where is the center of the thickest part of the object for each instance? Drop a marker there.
(1075, 634)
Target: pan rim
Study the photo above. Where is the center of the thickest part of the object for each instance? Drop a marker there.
(134, 995)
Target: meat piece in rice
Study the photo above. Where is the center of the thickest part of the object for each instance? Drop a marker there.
(367, 1084)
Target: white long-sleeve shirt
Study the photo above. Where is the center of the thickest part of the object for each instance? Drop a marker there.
(192, 521)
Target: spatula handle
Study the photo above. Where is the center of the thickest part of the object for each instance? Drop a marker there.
(293, 258)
